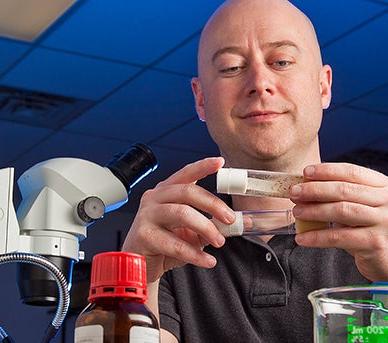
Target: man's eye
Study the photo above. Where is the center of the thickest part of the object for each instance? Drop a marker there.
(282, 64)
(231, 70)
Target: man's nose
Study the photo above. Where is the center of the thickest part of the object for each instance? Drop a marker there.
(259, 81)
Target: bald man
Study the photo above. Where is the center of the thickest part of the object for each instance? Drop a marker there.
(261, 90)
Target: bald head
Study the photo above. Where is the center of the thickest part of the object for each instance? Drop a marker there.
(259, 58)
(238, 20)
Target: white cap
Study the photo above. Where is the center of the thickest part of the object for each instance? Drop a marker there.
(232, 181)
(228, 230)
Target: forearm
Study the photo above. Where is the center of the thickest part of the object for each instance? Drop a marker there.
(153, 304)
(152, 301)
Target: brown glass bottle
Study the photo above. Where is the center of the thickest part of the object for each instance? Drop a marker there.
(116, 313)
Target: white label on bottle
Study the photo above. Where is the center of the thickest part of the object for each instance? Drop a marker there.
(89, 334)
(138, 334)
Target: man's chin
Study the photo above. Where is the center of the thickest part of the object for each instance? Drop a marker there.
(254, 157)
(267, 151)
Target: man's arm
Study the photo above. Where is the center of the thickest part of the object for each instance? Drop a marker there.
(152, 304)
(355, 198)
(169, 229)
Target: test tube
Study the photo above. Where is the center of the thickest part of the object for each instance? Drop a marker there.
(264, 183)
(256, 182)
(266, 222)
(258, 223)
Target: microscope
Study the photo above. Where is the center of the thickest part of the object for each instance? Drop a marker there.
(61, 197)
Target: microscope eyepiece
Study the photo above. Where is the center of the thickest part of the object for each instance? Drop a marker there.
(133, 165)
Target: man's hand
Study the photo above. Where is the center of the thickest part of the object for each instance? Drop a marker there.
(168, 228)
(355, 198)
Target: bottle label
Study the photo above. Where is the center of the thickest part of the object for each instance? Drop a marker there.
(89, 334)
(138, 334)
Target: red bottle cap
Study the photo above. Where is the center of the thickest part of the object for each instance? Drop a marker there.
(118, 274)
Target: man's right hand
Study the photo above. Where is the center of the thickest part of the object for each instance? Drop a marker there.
(169, 230)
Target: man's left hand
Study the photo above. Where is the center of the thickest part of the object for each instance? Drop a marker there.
(356, 200)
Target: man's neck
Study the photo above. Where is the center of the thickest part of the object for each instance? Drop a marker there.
(291, 162)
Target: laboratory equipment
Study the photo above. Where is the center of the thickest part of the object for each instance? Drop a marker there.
(60, 198)
(382, 297)
(116, 312)
(256, 182)
(262, 223)
(261, 183)
(349, 314)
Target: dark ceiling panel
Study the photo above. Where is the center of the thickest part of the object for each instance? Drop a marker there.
(132, 31)
(345, 129)
(358, 61)
(376, 102)
(191, 137)
(142, 110)
(16, 138)
(10, 51)
(184, 60)
(332, 18)
(67, 74)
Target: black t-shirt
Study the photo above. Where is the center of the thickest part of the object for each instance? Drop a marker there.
(256, 293)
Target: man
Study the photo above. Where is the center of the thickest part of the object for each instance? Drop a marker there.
(261, 90)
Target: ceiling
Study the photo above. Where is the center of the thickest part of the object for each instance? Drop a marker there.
(131, 62)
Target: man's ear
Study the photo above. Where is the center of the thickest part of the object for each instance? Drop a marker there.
(326, 78)
(198, 97)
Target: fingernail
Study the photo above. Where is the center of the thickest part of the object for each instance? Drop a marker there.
(299, 239)
(309, 171)
(211, 260)
(220, 241)
(297, 211)
(229, 216)
(295, 191)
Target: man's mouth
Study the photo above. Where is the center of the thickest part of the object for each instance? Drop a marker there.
(262, 115)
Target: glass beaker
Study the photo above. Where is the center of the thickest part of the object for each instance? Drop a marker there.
(352, 314)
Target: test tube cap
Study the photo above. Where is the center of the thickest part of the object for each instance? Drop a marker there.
(229, 230)
(232, 181)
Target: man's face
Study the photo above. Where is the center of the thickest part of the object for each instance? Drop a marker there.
(261, 87)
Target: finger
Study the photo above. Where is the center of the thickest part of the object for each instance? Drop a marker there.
(167, 244)
(195, 196)
(316, 191)
(195, 171)
(350, 239)
(347, 213)
(190, 237)
(173, 216)
(345, 172)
